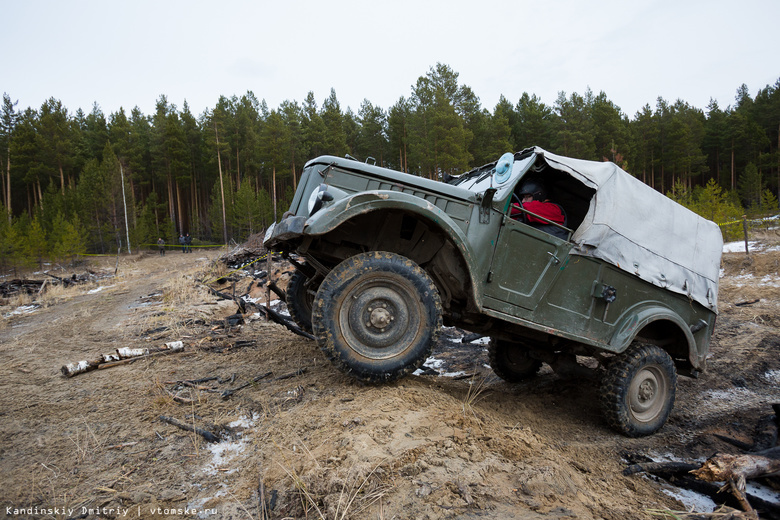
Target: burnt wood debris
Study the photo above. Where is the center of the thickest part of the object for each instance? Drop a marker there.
(723, 476)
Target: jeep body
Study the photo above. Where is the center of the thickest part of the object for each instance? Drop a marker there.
(389, 257)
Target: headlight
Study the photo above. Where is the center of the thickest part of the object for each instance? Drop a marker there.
(269, 232)
(317, 197)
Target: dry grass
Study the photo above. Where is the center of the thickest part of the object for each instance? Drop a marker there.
(358, 491)
(85, 442)
(474, 394)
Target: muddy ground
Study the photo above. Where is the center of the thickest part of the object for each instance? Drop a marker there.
(452, 442)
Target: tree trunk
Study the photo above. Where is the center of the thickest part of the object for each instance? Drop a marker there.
(8, 191)
(733, 182)
(194, 220)
(179, 208)
(652, 170)
(238, 171)
(274, 195)
(295, 181)
(221, 189)
(717, 166)
(171, 207)
(62, 178)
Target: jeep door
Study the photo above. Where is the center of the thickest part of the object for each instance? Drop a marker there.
(525, 263)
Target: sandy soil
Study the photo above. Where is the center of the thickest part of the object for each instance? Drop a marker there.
(452, 442)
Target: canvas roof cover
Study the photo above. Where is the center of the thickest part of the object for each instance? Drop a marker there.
(639, 230)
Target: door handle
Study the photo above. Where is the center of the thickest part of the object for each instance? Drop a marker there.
(555, 258)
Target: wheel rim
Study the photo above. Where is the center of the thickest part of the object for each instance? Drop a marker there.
(380, 316)
(517, 359)
(647, 393)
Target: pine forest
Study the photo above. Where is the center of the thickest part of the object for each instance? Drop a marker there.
(78, 183)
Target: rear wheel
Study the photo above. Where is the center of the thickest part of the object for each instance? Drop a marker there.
(638, 390)
(300, 298)
(511, 361)
(376, 316)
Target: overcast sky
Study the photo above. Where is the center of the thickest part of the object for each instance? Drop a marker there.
(119, 53)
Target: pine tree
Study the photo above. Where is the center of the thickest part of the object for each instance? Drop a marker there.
(54, 141)
(534, 125)
(36, 248)
(372, 138)
(68, 240)
(333, 120)
(751, 187)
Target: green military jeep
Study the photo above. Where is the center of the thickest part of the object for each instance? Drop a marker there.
(626, 285)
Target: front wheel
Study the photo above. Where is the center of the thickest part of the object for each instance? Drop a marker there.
(638, 390)
(376, 316)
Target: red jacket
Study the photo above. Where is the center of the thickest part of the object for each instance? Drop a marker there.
(548, 210)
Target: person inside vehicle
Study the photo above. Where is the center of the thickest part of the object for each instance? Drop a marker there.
(533, 198)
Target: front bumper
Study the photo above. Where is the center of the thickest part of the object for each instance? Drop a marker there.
(284, 230)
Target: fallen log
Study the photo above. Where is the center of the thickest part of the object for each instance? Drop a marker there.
(13, 287)
(661, 469)
(122, 354)
(210, 437)
(279, 292)
(468, 338)
(227, 393)
(724, 467)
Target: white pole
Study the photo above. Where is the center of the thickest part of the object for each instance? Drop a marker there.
(124, 202)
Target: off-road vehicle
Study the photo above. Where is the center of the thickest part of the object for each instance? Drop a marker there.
(628, 288)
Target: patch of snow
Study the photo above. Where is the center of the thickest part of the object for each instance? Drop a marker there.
(742, 279)
(222, 453)
(435, 364)
(670, 457)
(739, 247)
(773, 376)
(432, 363)
(260, 301)
(24, 309)
(693, 501)
(770, 280)
(98, 289)
(735, 395)
(763, 492)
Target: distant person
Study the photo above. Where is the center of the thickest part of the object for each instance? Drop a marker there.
(533, 196)
(187, 243)
(161, 246)
(181, 243)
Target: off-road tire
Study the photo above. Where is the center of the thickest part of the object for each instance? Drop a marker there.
(511, 361)
(638, 389)
(376, 316)
(300, 299)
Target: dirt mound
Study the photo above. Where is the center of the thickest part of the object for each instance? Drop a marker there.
(298, 439)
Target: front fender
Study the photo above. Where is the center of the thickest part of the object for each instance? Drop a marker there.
(636, 319)
(329, 218)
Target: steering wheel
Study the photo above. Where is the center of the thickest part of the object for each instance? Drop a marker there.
(521, 216)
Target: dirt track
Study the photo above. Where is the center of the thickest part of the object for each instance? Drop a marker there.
(319, 444)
